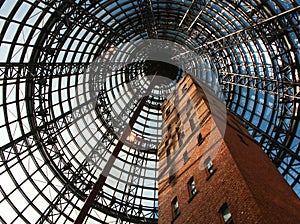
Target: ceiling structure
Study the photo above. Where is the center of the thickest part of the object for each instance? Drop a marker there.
(57, 140)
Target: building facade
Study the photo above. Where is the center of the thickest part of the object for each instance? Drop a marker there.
(210, 176)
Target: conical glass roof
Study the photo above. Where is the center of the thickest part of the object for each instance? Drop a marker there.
(64, 116)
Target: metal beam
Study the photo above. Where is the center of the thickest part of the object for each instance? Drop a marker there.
(148, 19)
(247, 29)
(103, 176)
(263, 84)
(33, 70)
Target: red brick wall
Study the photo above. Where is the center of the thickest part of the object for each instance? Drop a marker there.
(275, 198)
(244, 178)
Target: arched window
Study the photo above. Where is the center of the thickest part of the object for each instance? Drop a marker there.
(192, 187)
(209, 166)
(200, 139)
(175, 207)
(225, 214)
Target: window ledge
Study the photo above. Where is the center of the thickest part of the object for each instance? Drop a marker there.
(209, 176)
(192, 197)
(175, 217)
(200, 142)
(229, 221)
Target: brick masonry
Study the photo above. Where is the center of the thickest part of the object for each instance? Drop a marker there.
(244, 177)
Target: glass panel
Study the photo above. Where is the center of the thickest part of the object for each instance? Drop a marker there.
(226, 214)
(175, 207)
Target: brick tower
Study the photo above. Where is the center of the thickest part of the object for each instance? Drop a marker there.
(210, 177)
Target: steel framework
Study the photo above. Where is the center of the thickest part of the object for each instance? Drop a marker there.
(57, 138)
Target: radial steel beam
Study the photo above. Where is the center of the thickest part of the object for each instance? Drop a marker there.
(263, 84)
(247, 29)
(103, 176)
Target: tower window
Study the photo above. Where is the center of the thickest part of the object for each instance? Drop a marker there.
(175, 207)
(192, 124)
(172, 175)
(168, 155)
(185, 157)
(192, 187)
(181, 137)
(225, 214)
(200, 139)
(209, 167)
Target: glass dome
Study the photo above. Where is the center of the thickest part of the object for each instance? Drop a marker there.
(61, 145)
